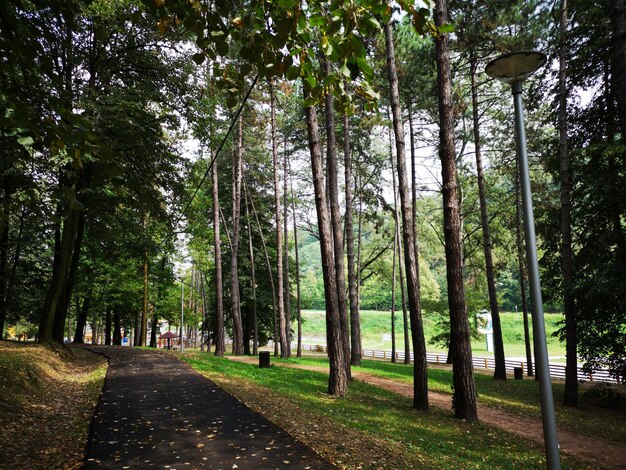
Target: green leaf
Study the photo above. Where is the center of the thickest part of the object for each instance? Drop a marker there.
(26, 141)
(334, 27)
(101, 33)
(310, 79)
(374, 22)
(354, 70)
(446, 28)
(345, 70)
(293, 72)
(198, 58)
(231, 101)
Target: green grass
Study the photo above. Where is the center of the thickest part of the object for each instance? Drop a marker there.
(436, 438)
(375, 324)
(519, 397)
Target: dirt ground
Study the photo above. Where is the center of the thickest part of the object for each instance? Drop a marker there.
(594, 450)
(46, 401)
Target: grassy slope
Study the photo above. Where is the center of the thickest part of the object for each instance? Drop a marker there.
(374, 324)
(432, 440)
(513, 396)
(47, 397)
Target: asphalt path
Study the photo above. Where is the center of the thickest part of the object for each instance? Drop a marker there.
(156, 411)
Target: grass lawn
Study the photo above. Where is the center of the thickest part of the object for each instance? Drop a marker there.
(375, 418)
(520, 397)
(375, 324)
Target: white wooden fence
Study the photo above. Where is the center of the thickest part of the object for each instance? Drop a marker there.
(556, 370)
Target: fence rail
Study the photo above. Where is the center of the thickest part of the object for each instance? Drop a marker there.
(556, 370)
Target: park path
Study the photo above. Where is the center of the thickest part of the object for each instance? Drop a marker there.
(156, 411)
(598, 451)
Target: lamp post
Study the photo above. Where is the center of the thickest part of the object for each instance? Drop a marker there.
(514, 68)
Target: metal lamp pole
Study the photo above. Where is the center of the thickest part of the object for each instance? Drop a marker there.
(514, 68)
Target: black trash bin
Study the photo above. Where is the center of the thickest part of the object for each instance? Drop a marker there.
(264, 359)
(518, 372)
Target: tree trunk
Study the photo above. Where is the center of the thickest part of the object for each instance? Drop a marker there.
(500, 370)
(269, 269)
(405, 320)
(295, 244)
(338, 379)
(154, 328)
(207, 323)
(5, 299)
(58, 282)
(393, 283)
(136, 328)
(108, 327)
(81, 321)
(413, 178)
(420, 370)
(570, 396)
(359, 243)
(398, 248)
(65, 298)
(284, 349)
(4, 249)
(234, 267)
(618, 24)
(117, 332)
(335, 217)
(286, 256)
(219, 283)
(522, 275)
(464, 398)
(355, 320)
(144, 311)
(396, 242)
(255, 334)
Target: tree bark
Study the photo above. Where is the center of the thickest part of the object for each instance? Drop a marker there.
(108, 327)
(81, 321)
(286, 257)
(570, 396)
(335, 217)
(295, 245)
(144, 310)
(219, 282)
(338, 378)
(393, 284)
(206, 333)
(464, 398)
(10, 282)
(269, 269)
(4, 249)
(284, 349)
(355, 320)
(405, 320)
(255, 334)
(618, 24)
(522, 275)
(420, 370)
(500, 369)
(117, 333)
(234, 265)
(58, 282)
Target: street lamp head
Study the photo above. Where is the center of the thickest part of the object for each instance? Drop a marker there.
(515, 66)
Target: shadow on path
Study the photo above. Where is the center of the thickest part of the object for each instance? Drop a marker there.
(157, 411)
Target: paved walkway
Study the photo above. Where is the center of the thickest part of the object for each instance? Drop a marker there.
(156, 411)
